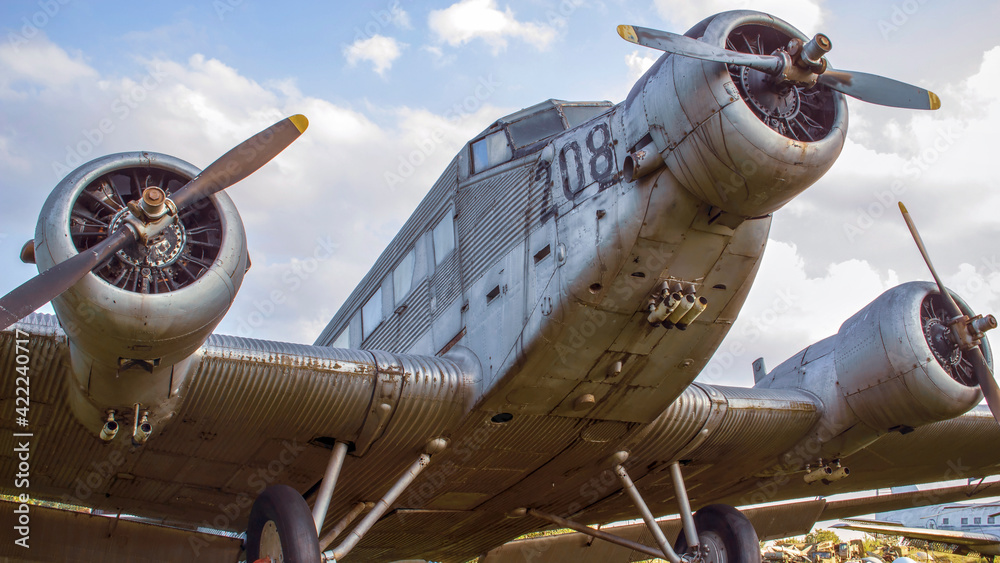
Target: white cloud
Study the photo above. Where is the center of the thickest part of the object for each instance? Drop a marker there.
(314, 201)
(806, 15)
(470, 19)
(41, 63)
(380, 50)
(788, 306)
(638, 63)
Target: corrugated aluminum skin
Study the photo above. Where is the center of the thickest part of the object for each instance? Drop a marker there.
(433, 203)
(208, 464)
(247, 421)
(398, 332)
(493, 214)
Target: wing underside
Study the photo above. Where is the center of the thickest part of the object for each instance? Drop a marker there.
(258, 413)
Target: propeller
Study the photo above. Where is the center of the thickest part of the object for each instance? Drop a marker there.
(799, 64)
(151, 215)
(967, 332)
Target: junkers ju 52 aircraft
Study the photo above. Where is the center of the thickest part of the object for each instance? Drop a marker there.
(522, 354)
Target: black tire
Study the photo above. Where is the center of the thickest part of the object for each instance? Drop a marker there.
(293, 520)
(727, 531)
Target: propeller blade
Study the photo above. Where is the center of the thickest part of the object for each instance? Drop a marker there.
(953, 309)
(241, 161)
(879, 90)
(44, 287)
(987, 383)
(687, 47)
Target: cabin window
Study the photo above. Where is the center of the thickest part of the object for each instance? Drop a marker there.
(343, 340)
(576, 115)
(944, 521)
(991, 520)
(371, 314)
(402, 277)
(977, 520)
(965, 521)
(490, 151)
(536, 127)
(444, 238)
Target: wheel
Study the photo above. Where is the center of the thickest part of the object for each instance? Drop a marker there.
(281, 527)
(726, 532)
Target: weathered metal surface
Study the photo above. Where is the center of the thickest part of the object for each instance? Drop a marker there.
(73, 537)
(109, 324)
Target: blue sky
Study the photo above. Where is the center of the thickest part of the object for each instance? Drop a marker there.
(377, 78)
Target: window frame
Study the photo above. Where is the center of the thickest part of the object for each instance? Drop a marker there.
(397, 295)
(375, 298)
(344, 334)
(473, 162)
(450, 217)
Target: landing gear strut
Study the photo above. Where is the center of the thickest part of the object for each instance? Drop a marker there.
(725, 535)
(282, 528)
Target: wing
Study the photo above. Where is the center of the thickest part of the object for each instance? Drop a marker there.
(255, 413)
(982, 543)
(771, 522)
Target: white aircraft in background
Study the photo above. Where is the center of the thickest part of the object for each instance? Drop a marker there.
(970, 527)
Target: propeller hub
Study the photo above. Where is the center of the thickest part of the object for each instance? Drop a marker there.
(160, 251)
(154, 202)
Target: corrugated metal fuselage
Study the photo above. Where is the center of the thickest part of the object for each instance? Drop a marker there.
(556, 258)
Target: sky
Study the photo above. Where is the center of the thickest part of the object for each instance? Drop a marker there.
(394, 89)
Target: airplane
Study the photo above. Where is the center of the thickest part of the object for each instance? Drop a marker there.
(969, 527)
(522, 354)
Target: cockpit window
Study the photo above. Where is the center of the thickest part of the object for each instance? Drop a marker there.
(576, 115)
(535, 127)
(490, 151)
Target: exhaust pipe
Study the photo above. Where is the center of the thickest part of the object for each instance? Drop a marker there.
(697, 308)
(679, 311)
(641, 162)
(142, 428)
(665, 307)
(818, 474)
(110, 429)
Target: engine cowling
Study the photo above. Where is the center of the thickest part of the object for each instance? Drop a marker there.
(723, 132)
(896, 365)
(890, 367)
(133, 321)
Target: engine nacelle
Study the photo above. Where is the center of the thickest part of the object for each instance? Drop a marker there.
(890, 367)
(133, 321)
(724, 134)
(896, 366)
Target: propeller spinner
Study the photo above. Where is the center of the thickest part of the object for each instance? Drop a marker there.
(150, 216)
(801, 64)
(965, 332)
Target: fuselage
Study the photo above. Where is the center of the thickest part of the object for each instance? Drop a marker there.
(553, 263)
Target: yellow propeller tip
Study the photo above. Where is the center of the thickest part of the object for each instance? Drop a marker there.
(299, 121)
(628, 33)
(934, 100)
(902, 208)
